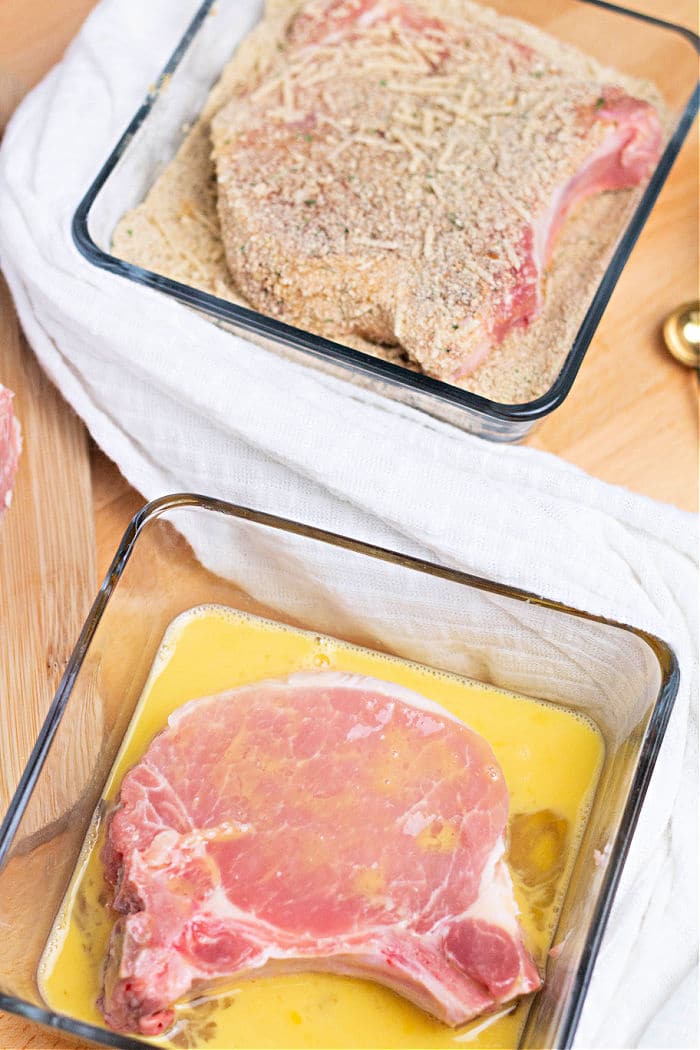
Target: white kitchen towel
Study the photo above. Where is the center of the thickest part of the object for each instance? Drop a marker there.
(180, 404)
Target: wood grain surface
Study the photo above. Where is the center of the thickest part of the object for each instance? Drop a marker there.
(47, 553)
(47, 573)
(631, 418)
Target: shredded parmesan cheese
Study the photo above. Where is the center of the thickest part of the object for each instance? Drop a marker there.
(390, 246)
(515, 205)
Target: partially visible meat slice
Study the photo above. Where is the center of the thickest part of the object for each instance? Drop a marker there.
(325, 822)
(10, 446)
(403, 177)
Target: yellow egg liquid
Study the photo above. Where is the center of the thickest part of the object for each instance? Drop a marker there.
(550, 757)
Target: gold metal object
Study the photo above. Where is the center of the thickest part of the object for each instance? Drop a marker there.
(682, 334)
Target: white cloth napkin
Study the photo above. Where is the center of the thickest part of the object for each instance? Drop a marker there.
(182, 405)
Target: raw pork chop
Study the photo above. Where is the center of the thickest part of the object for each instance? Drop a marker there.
(10, 445)
(402, 177)
(325, 822)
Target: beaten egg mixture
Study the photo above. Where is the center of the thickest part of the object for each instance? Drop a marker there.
(550, 757)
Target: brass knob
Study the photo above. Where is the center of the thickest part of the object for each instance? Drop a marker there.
(682, 334)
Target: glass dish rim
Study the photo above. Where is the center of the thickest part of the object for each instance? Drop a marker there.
(646, 759)
(356, 360)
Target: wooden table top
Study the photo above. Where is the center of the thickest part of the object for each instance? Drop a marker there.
(631, 418)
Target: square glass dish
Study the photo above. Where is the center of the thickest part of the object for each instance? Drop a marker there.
(157, 129)
(623, 679)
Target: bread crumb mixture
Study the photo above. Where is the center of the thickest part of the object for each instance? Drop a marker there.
(386, 196)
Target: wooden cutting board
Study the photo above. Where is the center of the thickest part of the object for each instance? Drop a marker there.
(47, 575)
(47, 538)
(47, 557)
(47, 551)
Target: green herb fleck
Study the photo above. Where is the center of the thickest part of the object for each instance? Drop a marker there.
(244, 249)
(130, 232)
(383, 83)
(455, 327)
(310, 202)
(600, 102)
(308, 138)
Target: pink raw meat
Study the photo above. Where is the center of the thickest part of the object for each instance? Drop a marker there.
(10, 446)
(403, 177)
(325, 822)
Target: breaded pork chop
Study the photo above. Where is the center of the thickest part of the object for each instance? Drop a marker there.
(403, 177)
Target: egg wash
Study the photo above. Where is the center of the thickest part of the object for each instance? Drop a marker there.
(551, 759)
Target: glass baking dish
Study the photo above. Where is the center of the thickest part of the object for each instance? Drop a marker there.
(154, 135)
(622, 678)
